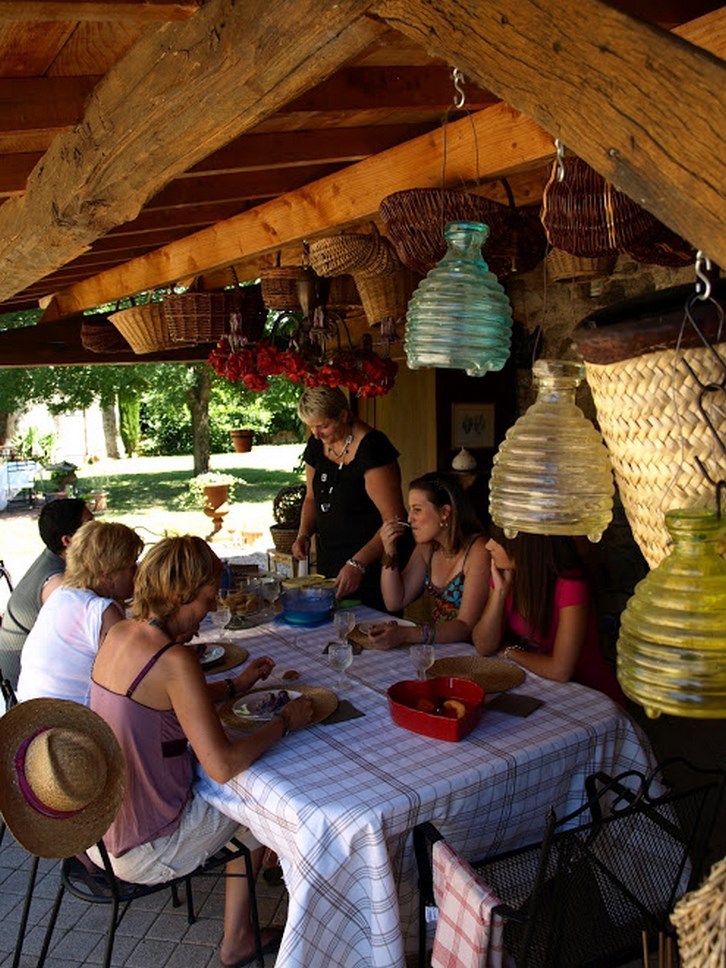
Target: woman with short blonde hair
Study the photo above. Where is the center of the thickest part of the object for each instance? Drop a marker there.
(173, 571)
(100, 550)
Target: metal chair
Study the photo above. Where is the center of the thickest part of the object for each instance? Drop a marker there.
(603, 877)
(96, 885)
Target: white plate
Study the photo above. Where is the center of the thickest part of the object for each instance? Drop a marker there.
(211, 654)
(252, 706)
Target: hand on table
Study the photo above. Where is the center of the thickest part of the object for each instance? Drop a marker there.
(254, 671)
(348, 580)
(387, 635)
(298, 713)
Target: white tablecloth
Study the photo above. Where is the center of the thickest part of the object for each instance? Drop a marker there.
(338, 802)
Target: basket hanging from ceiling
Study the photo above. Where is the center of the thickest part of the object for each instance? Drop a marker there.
(280, 287)
(196, 316)
(564, 267)
(354, 254)
(665, 248)
(99, 335)
(647, 406)
(145, 327)
(585, 215)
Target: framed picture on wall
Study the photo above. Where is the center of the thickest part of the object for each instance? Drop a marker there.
(472, 425)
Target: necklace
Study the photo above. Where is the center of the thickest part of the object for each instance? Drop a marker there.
(340, 455)
(157, 624)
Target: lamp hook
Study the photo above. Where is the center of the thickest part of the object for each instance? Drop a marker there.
(460, 97)
(560, 149)
(703, 285)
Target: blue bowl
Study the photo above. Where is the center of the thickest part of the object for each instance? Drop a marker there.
(306, 606)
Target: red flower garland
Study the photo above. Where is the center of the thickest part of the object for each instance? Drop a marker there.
(362, 372)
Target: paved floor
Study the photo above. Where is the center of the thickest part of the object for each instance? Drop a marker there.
(153, 934)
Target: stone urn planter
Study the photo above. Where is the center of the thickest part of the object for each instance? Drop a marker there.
(241, 440)
(98, 501)
(215, 491)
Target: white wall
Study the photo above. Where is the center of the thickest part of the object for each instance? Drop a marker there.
(79, 435)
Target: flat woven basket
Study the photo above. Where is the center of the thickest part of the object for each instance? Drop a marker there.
(584, 215)
(103, 337)
(700, 921)
(415, 220)
(366, 253)
(564, 267)
(647, 409)
(199, 317)
(145, 328)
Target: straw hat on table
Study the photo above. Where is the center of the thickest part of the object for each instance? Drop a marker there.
(62, 776)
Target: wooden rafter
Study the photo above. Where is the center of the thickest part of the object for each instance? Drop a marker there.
(239, 63)
(507, 142)
(54, 11)
(644, 108)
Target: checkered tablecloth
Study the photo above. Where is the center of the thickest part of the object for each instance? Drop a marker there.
(338, 802)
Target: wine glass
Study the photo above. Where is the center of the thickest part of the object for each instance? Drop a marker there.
(344, 621)
(270, 589)
(422, 657)
(220, 618)
(340, 656)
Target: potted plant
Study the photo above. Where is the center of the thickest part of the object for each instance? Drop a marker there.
(56, 481)
(95, 494)
(215, 488)
(242, 440)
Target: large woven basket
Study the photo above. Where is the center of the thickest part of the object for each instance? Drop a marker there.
(283, 538)
(145, 328)
(279, 287)
(368, 253)
(199, 317)
(386, 297)
(564, 267)
(646, 403)
(585, 215)
(700, 920)
(99, 335)
(665, 248)
(415, 220)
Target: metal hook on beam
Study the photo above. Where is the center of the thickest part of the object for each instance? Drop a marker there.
(460, 96)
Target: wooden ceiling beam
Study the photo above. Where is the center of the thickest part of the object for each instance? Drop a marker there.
(145, 11)
(35, 103)
(643, 107)
(189, 217)
(507, 143)
(181, 92)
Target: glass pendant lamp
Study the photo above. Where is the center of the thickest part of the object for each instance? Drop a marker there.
(672, 644)
(552, 472)
(460, 317)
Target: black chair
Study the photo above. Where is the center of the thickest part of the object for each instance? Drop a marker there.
(97, 885)
(603, 877)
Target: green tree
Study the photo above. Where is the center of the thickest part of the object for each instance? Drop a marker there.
(129, 408)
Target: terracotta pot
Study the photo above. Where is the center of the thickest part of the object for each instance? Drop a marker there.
(215, 495)
(241, 440)
(100, 500)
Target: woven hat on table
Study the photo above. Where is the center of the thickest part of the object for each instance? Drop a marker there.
(585, 215)
(99, 335)
(145, 327)
(415, 221)
(62, 776)
(646, 402)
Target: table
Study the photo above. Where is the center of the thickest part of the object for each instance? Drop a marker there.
(338, 802)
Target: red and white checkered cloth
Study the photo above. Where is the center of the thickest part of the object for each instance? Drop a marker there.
(468, 935)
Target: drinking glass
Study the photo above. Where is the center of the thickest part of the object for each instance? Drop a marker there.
(344, 621)
(422, 657)
(340, 656)
(270, 588)
(220, 618)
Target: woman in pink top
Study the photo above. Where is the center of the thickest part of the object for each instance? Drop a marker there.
(539, 612)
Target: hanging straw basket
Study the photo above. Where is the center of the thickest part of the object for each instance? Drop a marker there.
(700, 920)
(415, 220)
(280, 287)
(340, 255)
(647, 406)
(564, 267)
(99, 335)
(664, 249)
(145, 328)
(584, 215)
(386, 297)
(199, 317)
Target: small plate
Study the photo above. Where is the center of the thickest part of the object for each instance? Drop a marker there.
(257, 705)
(213, 653)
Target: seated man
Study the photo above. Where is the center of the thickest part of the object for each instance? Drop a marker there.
(57, 524)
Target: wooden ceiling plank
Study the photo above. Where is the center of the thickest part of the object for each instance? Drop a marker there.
(644, 108)
(28, 50)
(94, 47)
(189, 217)
(146, 11)
(34, 103)
(254, 152)
(184, 90)
(507, 143)
(14, 171)
(708, 32)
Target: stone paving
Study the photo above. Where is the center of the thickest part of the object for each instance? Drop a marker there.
(153, 934)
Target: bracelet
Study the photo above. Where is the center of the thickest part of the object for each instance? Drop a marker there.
(428, 634)
(512, 648)
(358, 565)
(231, 691)
(390, 561)
(285, 725)
(301, 534)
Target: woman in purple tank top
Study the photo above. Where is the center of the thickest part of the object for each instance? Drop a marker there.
(151, 690)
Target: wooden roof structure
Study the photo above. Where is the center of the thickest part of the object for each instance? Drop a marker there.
(147, 142)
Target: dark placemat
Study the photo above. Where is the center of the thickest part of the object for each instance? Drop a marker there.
(345, 711)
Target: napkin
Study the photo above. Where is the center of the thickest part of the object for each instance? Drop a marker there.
(346, 710)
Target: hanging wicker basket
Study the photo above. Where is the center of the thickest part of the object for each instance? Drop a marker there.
(665, 248)
(564, 267)
(647, 407)
(585, 215)
(145, 328)
(386, 297)
(280, 287)
(340, 255)
(199, 317)
(99, 335)
(700, 920)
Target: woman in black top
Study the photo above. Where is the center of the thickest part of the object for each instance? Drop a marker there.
(353, 485)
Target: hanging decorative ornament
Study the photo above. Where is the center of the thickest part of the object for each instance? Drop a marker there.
(552, 472)
(464, 461)
(672, 644)
(460, 317)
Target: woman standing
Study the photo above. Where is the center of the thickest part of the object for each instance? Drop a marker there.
(151, 691)
(353, 485)
(450, 564)
(540, 614)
